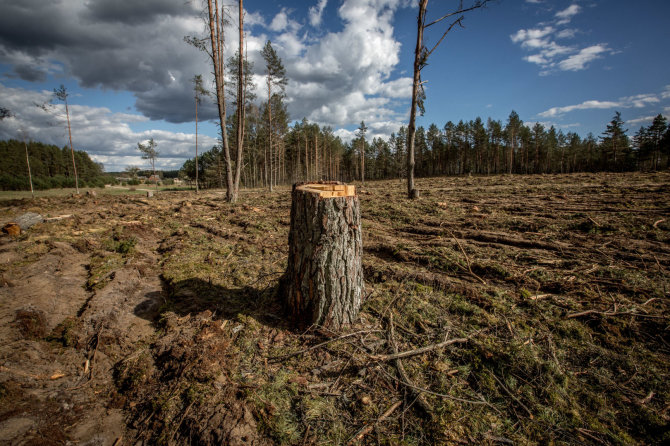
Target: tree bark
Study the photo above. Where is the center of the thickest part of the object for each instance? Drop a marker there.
(270, 128)
(216, 39)
(240, 109)
(411, 128)
(323, 283)
(196, 144)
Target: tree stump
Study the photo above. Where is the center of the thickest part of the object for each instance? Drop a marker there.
(323, 283)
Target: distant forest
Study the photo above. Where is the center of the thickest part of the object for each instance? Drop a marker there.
(307, 152)
(51, 167)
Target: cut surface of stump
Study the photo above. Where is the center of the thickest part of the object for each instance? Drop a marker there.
(323, 284)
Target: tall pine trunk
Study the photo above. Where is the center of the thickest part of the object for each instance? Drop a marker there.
(240, 108)
(196, 145)
(216, 39)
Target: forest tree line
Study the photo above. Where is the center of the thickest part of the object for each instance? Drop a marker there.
(308, 152)
(51, 167)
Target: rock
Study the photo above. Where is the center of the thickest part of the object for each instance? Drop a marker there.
(29, 219)
(91, 193)
(150, 193)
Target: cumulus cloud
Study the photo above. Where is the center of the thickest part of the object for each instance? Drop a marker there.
(345, 76)
(105, 135)
(552, 56)
(338, 80)
(280, 21)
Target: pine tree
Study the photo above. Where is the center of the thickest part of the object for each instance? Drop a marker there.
(615, 143)
(512, 131)
(362, 129)
(655, 133)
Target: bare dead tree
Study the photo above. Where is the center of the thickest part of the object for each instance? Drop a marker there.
(216, 38)
(61, 94)
(240, 107)
(421, 54)
(30, 176)
(199, 93)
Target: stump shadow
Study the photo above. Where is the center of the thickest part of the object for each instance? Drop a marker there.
(193, 296)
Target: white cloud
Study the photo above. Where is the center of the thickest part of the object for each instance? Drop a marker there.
(586, 105)
(280, 21)
(567, 14)
(636, 101)
(345, 77)
(641, 100)
(106, 136)
(551, 56)
(640, 120)
(316, 13)
(579, 61)
(338, 80)
(532, 38)
(566, 34)
(346, 135)
(536, 58)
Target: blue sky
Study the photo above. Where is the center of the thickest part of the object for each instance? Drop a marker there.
(570, 64)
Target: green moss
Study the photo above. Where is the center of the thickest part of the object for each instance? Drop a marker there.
(274, 402)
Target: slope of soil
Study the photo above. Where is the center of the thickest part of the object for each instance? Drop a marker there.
(531, 310)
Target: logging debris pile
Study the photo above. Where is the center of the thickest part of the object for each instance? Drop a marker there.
(498, 310)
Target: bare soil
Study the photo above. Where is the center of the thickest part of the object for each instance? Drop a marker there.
(524, 310)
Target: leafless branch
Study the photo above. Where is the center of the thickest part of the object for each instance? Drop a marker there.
(477, 5)
(419, 351)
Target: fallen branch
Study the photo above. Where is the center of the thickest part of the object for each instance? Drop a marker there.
(443, 395)
(421, 401)
(530, 414)
(59, 217)
(314, 347)
(594, 222)
(419, 351)
(613, 313)
(539, 296)
(503, 239)
(467, 259)
(367, 429)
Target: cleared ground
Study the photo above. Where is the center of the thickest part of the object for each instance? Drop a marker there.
(158, 319)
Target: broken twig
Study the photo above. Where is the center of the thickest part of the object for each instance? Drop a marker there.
(418, 351)
(367, 429)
